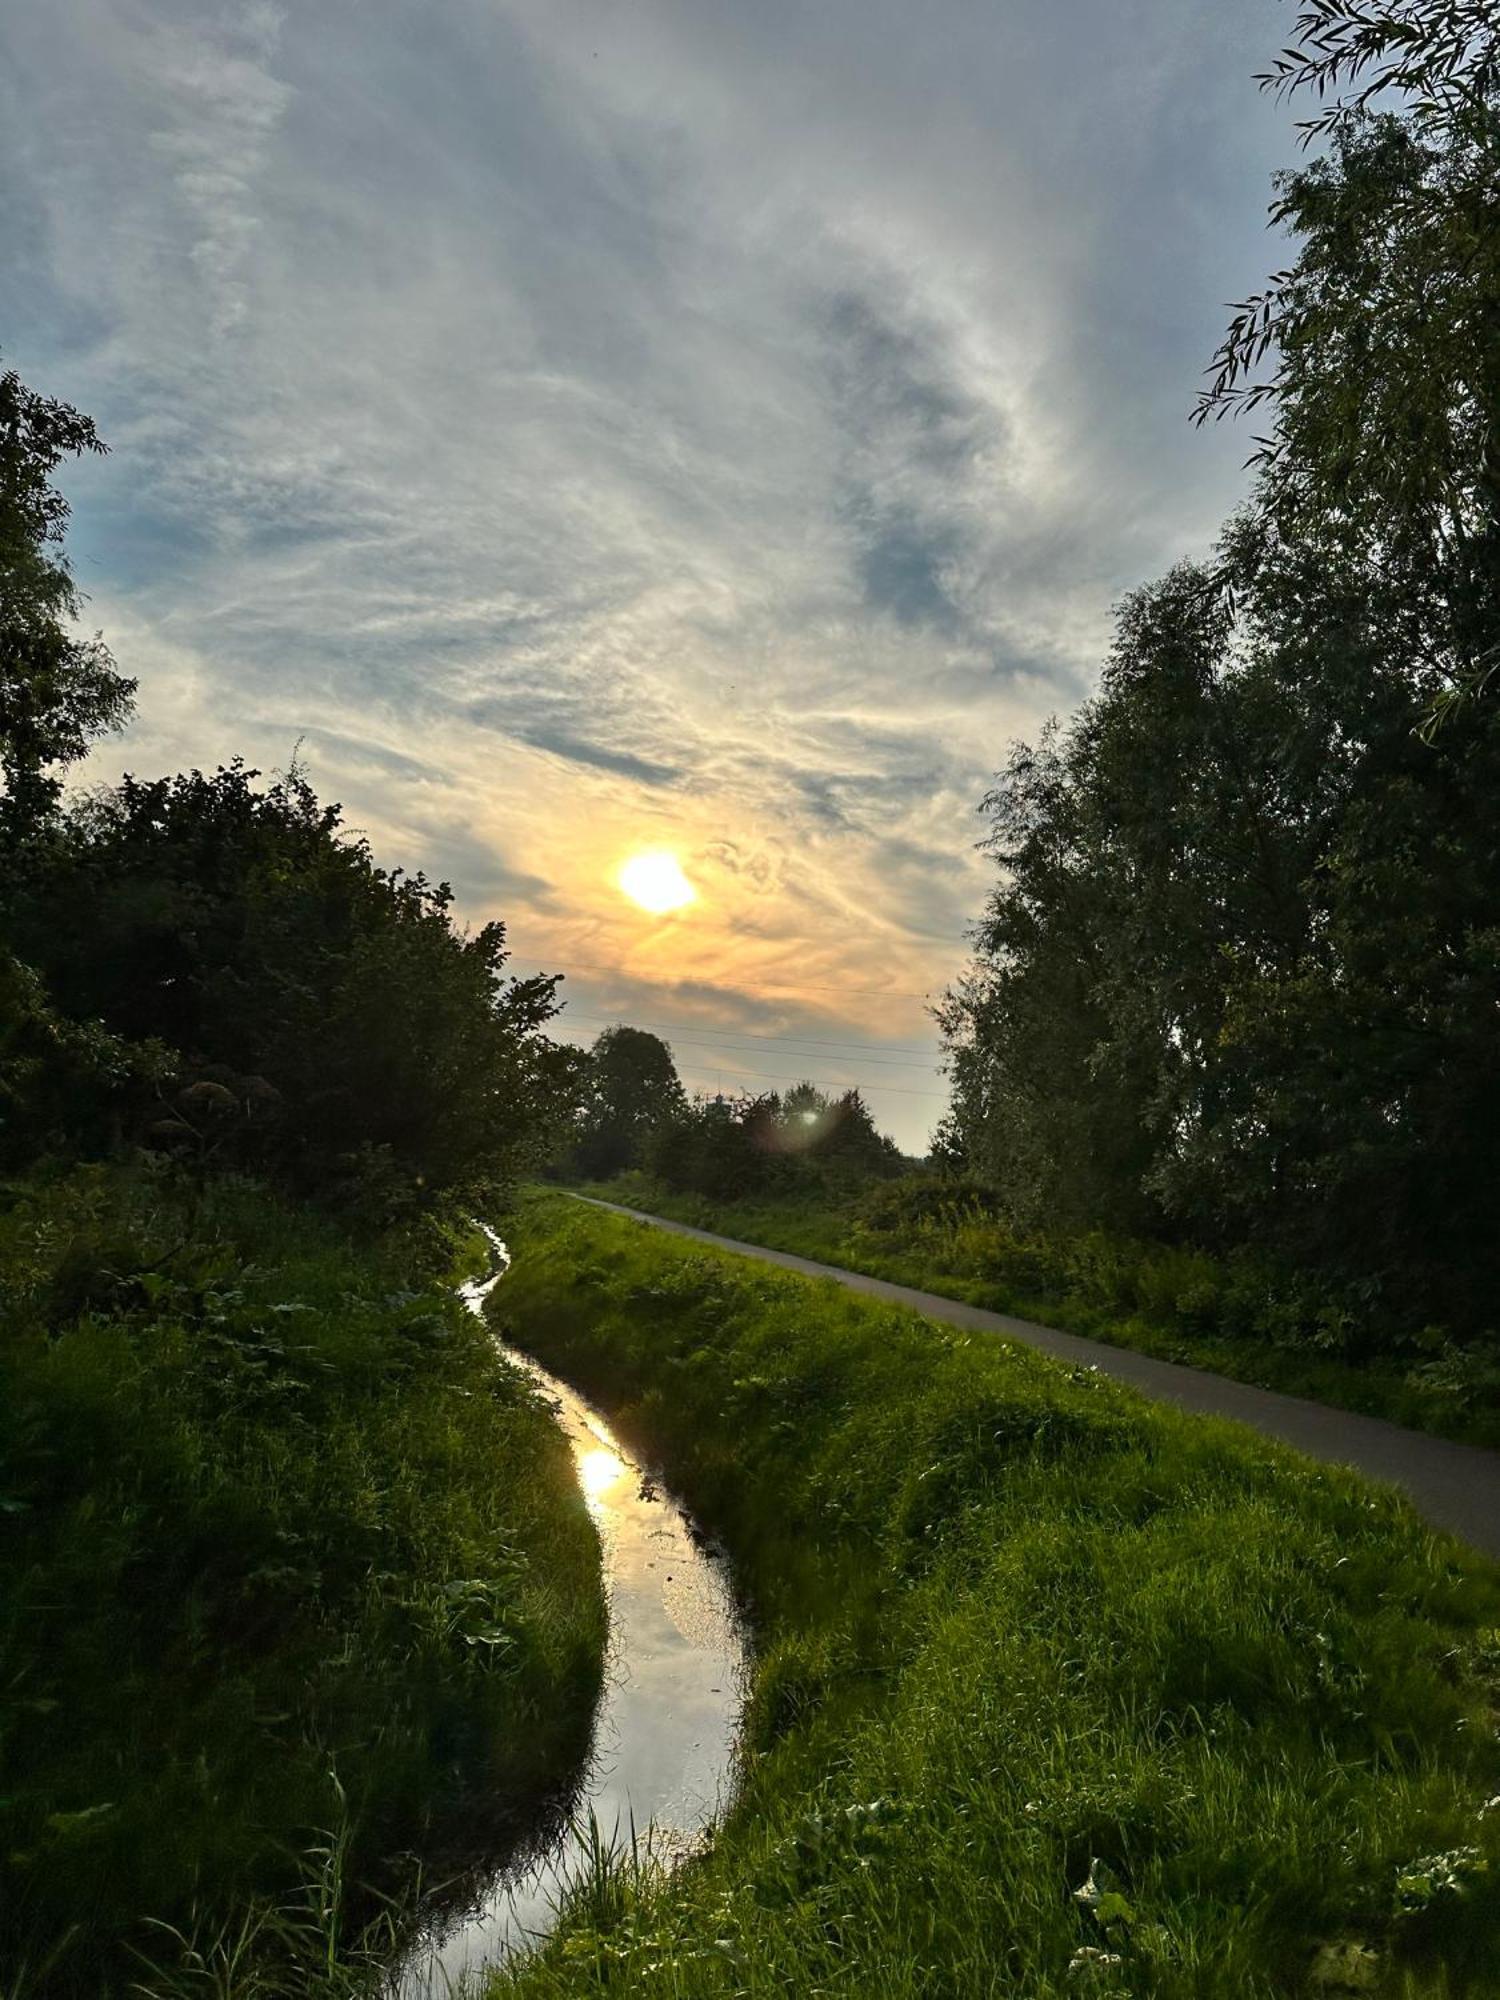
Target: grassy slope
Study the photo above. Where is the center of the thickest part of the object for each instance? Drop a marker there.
(1158, 1300)
(272, 1514)
(1016, 1626)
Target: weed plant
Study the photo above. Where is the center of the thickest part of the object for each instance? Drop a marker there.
(1058, 1692)
(286, 1547)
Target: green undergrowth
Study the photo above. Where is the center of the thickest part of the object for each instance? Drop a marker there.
(1057, 1692)
(1236, 1319)
(296, 1588)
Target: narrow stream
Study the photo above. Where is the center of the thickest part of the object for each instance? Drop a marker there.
(665, 1729)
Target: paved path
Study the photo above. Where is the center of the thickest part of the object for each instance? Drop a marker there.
(1456, 1486)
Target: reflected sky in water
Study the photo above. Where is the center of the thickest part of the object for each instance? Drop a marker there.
(664, 1736)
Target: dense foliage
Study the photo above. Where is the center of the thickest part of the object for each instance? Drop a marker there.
(288, 1553)
(805, 1139)
(1056, 1692)
(328, 1022)
(627, 1087)
(1238, 982)
(57, 692)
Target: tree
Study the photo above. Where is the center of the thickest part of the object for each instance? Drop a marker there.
(832, 1132)
(717, 1147)
(243, 927)
(632, 1089)
(730, 1147)
(1238, 976)
(1384, 388)
(57, 692)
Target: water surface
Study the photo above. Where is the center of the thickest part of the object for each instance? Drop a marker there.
(664, 1734)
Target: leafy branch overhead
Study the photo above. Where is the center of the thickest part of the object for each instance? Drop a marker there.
(1438, 61)
(1444, 55)
(1374, 350)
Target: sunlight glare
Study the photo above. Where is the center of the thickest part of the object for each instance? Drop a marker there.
(598, 1471)
(656, 881)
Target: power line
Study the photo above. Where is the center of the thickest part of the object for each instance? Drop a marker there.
(853, 1051)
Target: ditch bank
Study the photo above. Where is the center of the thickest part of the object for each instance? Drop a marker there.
(295, 1585)
(1056, 1690)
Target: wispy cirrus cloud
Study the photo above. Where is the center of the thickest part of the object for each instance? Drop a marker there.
(583, 428)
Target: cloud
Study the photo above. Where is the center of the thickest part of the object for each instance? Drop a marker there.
(705, 426)
(624, 763)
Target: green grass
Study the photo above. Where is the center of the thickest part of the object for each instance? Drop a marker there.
(1057, 1692)
(295, 1585)
(1233, 1319)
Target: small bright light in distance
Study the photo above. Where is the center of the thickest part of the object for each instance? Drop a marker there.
(656, 882)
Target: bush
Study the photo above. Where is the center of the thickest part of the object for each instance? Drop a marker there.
(66, 1087)
(243, 928)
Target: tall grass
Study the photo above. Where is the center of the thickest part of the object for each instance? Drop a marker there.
(1057, 1692)
(1234, 1315)
(286, 1547)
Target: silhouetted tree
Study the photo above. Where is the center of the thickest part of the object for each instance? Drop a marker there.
(631, 1088)
(57, 692)
(1239, 977)
(726, 1148)
(245, 929)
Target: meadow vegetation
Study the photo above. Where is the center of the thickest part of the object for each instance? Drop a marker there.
(1251, 1317)
(1055, 1691)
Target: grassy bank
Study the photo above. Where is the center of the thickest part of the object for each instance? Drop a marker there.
(1057, 1692)
(295, 1583)
(1237, 1319)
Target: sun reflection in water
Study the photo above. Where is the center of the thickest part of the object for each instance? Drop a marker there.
(598, 1470)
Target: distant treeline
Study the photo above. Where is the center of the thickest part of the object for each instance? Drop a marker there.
(1238, 983)
(632, 1113)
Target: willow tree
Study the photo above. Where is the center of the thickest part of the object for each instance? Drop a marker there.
(1238, 977)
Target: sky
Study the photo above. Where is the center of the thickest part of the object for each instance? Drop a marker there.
(716, 426)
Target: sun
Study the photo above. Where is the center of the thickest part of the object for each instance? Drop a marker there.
(656, 881)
